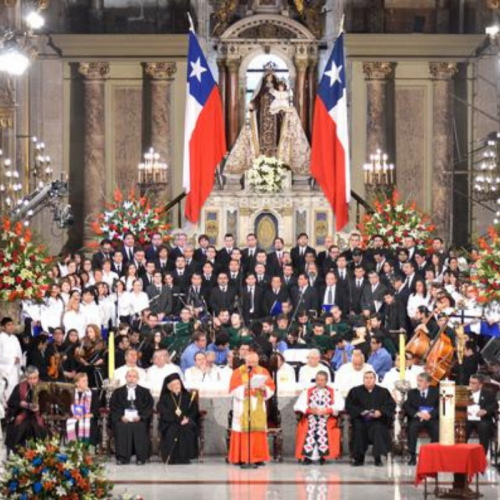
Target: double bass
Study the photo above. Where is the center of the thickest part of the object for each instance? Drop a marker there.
(439, 359)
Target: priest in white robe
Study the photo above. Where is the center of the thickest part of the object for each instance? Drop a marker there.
(10, 355)
(307, 374)
(161, 368)
(351, 374)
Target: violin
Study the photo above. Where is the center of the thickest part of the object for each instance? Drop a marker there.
(54, 364)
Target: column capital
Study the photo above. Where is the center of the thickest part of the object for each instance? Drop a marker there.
(233, 65)
(94, 70)
(443, 70)
(301, 64)
(378, 70)
(163, 70)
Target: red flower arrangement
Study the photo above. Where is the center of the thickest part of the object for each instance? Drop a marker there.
(24, 265)
(487, 267)
(134, 215)
(394, 220)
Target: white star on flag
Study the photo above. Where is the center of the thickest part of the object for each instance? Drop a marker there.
(334, 74)
(197, 70)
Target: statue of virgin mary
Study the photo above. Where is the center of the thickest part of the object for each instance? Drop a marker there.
(272, 128)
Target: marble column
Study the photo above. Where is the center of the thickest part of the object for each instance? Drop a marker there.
(442, 146)
(232, 104)
(161, 76)
(300, 90)
(378, 75)
(312, 83)
(221, 65)
(94, 147)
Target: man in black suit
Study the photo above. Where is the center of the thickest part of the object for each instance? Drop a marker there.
(323, 255)
(333, 294)
(422, 408)
(117, 265)
(343, 273)
(198, 295)
(298, 252)
(304, 297)
(249, 254)
(105, 253)
(160, 296)
(180, 273)
(277, 293)
(275, 258)
(330, 261)
(252, 299)
(263, 278)
(373, 293)
(420, 263)
(128, 248)
(200, 252)
(224, 254)
(222, 296)
(162, 263)
(192, 266)
(147, 277)
(140, 261)
(394, 312)
(315, 277)
(235, 274)
(485, 406)
(289, 278)
(152, 251)
(178, 249)
(356, 286)
(208, 275)
(354, 243)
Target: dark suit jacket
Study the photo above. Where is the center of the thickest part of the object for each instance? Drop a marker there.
(126, 258)
(247, 303)
(198, 299)
(145, 281)
(97, 259)
(368, 297)
(183, 281)
(223, 258)
(163, 304)
(414, 402)
(199, 256)
(151, 253)
(340, 297)
(220, 300)
(273, 264)
(309, 300)
(247, 262)
(270, 298)
(298, 260)
(488, 402)
(355, 294)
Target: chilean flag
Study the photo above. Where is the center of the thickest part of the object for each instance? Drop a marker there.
(330, 163)
(204, 136)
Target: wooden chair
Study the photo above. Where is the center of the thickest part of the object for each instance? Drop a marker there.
(55, 400)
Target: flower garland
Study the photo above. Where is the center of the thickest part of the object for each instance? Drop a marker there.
(24, 265)
(394, 220)
(43, 470)
(134, 215)
(487, 267)
(267, 175)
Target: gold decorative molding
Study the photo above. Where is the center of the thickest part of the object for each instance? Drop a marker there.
(301, 65)
(7, 117)
(164, 70)
(443, 70)
(233, 65)
(378, 70)
(94, 70)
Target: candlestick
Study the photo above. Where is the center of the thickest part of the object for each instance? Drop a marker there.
(402, 356)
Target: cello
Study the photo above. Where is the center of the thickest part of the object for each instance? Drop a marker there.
(439, 358)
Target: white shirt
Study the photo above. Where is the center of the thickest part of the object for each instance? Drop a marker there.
(51, 313)
(109, 278)
(91, 313)
(107, 310)
(392, 376)
(307, 375)
(346, 377)
(415, 300)
(74, 320)
(138, 302)
(287, 379)
(120, 375)
(196, 379)
(155, 377)
(10, 349)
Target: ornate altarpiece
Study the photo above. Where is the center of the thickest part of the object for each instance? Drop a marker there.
(234, 207)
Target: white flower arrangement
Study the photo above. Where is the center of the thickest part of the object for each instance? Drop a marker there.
(267, 175)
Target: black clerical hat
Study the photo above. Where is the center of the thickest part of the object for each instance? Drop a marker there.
(171, 378)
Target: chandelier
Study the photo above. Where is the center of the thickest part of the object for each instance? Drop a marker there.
(11, 188)
(487, 179)
(17, 47)
(378, 173)
(152, 172)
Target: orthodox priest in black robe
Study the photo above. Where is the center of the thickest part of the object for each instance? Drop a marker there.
(131, 409)
(24, 421)
(179, 422)
(371, 409)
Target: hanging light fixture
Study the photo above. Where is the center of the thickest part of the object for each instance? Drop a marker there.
(487, 179)
(34, 20)
(13, 59)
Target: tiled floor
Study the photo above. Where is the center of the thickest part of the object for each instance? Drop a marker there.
(289, 481)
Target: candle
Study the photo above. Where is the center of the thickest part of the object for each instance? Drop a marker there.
(111, 355)
(402, 356)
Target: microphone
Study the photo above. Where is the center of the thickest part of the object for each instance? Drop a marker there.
(249, 369)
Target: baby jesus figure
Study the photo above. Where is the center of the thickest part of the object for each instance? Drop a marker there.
(281, 100)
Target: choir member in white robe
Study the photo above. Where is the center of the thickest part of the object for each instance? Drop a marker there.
(51, 313)
(10, 355)
(351, 374)
(159, 370)
(307, 374)
(393, 376)
(201, 376)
